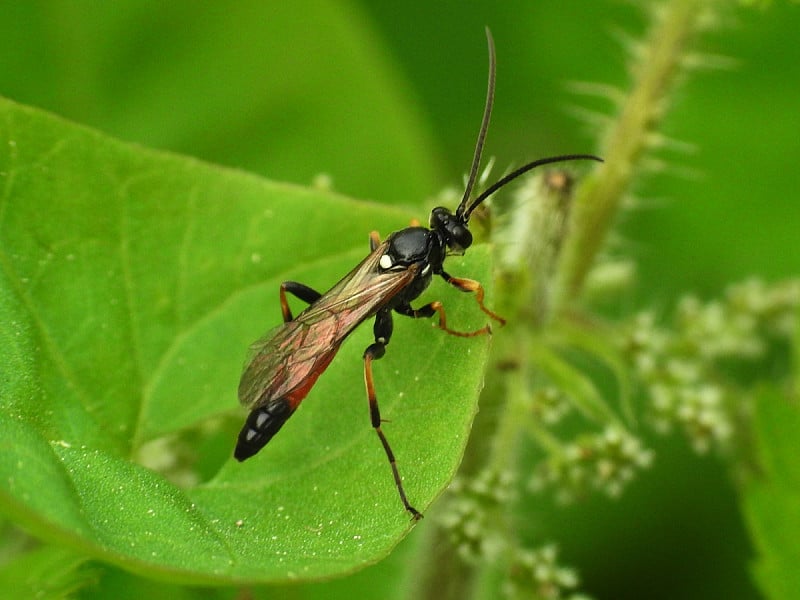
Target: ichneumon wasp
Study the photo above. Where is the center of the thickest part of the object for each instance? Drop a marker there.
(286, 362)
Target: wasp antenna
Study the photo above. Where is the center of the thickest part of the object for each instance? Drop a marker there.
(521, 171)
(487, 115)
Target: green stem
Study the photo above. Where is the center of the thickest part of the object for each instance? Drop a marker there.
(515, 412)
(656, 72)
(795, 349)
(438, 572)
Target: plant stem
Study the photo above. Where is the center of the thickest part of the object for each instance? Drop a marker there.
(656, 71)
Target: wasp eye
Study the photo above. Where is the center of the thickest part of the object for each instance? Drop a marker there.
(460, 236)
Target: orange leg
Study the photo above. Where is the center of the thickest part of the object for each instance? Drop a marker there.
(465, 285)
(436, 307)
(470, 285)
(374, 240)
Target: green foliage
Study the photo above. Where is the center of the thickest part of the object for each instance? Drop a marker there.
(699, 373)
(49, 572)
(132, 282)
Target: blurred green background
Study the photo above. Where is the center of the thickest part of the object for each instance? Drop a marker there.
(386, 99)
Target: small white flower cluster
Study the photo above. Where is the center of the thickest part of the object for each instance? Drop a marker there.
(549, 405)
(474, 518)
(471, 512)
(536, 574)
(607, 462)
(750, 315)
(688, 371)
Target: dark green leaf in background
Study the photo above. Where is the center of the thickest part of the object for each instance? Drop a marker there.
(279, 89)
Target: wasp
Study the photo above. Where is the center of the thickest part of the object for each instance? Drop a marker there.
(286, 362)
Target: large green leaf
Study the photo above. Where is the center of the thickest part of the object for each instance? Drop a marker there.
(131, 284)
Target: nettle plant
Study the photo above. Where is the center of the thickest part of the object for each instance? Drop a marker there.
(718, 371)
(123, 336)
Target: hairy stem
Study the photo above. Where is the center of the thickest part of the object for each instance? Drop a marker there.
(656, 71)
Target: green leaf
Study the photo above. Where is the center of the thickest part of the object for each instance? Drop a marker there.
(131, 284)
(771, 502)
(48, 572)
(582, 391)
(598, 344)
(256, 85)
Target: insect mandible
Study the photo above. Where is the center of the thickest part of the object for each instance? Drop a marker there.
(286, 362)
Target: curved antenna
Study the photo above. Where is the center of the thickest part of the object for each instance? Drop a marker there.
(466, 207)
(516, 173)
(487, 115)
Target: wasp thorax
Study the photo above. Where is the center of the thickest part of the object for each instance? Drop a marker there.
(406, 247)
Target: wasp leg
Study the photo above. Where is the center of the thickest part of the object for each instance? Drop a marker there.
(374, 240)
(298, 290)
(383, 332)
(470, 285)
(433, 308)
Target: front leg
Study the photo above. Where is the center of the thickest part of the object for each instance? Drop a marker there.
(383, 333)
(470, 285)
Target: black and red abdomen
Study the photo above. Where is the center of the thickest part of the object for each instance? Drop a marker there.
(289, 385)
(285, 363)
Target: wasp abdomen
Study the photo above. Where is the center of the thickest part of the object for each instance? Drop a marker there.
(262, 423)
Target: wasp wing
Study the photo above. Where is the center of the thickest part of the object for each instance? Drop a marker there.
(286, 362)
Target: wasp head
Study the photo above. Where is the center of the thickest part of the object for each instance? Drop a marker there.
(452, 229)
